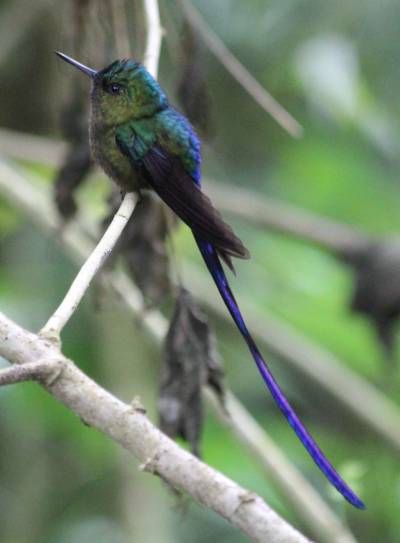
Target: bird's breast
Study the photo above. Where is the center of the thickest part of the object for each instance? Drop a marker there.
(115, 164)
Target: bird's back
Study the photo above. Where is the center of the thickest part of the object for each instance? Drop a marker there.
(177, 136)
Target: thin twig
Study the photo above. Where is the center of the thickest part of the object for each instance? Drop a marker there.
(40, 370)
(154, 36)
(35, 203)
(240, 72)
(128, 426)
(81, 283)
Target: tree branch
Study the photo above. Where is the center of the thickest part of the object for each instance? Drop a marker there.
(128, 426)
(240, 72)
(272, 214)
(309, 506)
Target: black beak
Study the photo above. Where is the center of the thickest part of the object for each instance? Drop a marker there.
(88, 71)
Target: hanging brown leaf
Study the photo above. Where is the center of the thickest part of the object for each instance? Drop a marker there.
(77, 162)
(191, 361)
(142, 245)
(74, 124)
(377, 289)
(146, 254)
(70, 176)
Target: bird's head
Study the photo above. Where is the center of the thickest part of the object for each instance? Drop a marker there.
(122, 91)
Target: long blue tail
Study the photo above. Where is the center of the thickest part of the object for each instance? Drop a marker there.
(215, 268)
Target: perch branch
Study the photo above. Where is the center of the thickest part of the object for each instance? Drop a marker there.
(81, 283)
(127, 425)
(240, 72)
(35, 203)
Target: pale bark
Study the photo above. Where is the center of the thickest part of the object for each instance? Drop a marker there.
(128, 425)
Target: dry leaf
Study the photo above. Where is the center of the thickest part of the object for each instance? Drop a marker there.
(191, 361)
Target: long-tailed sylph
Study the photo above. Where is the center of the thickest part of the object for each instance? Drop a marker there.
(141, 141)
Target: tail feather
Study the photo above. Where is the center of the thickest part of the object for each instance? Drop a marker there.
(214, 266)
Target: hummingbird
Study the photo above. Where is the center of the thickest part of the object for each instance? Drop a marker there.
(142, 142)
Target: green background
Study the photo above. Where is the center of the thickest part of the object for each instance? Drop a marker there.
(335, 67)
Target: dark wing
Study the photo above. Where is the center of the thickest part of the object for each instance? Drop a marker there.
(165, 173)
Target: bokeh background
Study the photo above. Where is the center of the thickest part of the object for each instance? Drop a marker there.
(335, 66)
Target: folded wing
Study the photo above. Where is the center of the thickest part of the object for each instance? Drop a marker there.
(167, 176)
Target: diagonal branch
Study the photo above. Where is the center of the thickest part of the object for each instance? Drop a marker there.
(128, 425)
(240, 72)
(81, 283)
(272, 214)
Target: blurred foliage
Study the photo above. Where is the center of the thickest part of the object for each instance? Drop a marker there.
(143, 245)
(334, 65)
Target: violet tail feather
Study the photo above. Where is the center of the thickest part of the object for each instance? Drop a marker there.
(214, 266)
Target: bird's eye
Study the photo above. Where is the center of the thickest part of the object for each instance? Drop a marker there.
(114, 88)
